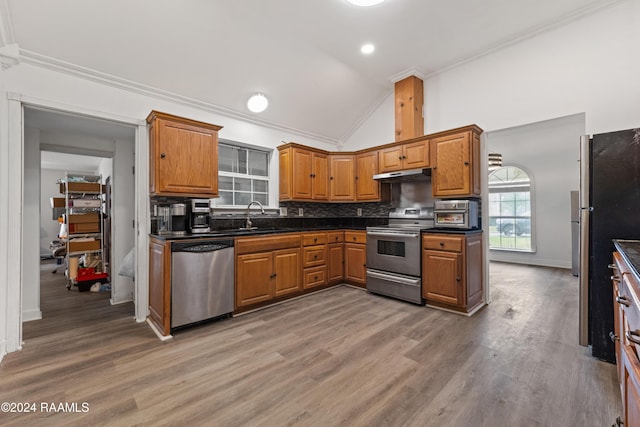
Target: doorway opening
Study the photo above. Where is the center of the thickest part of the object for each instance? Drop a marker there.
(58, 145)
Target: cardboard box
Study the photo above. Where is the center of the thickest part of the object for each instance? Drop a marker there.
(84, 227)
(85, 203)
(81, 187)
(89, 217)
(57, 202)
(84, 245)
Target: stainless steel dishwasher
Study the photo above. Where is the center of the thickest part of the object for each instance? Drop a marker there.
(202, 275)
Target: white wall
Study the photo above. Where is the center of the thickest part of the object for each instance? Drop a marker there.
(549, 152)
(31, 229)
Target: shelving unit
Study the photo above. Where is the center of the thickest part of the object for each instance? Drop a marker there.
(85, 240)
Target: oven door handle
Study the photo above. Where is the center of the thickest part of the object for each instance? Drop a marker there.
(401, 234)
(392, 278)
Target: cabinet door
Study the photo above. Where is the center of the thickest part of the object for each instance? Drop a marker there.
(335, 263)
(287, 267)
(355, 257)
(302, 173)
(390, 159)
(451, 174)
(285, 174)
(416, 155)
(367, 188)
(342, 178)
(186, 159)
(254, 278)
(160, 285)
(631, 387)
(442, 277)
(320, 172)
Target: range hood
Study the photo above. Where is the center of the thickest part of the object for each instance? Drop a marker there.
(405, 175)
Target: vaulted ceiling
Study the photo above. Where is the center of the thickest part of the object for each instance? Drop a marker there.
(304, 55)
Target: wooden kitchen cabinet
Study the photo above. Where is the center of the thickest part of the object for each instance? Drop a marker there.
(183, 156)
(314, 259)
(304, 173)
(367, 188)
(342, 178)
(452, 271)
(456, 160)
(355, 258)
(626, 288)
(267, 268)
(335, 257)
(409, 155)
(160, 285)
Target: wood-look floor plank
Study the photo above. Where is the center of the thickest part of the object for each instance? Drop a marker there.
(333, 358)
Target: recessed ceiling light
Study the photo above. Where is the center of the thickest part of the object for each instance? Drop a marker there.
(367, 48)
(257, 103)
(365, 3)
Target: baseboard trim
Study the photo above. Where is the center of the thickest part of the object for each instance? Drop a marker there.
(29, 315)
(158, 333)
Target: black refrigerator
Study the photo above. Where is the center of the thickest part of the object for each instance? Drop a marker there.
(609, 209)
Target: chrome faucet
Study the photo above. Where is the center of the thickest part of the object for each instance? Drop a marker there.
(255, 202)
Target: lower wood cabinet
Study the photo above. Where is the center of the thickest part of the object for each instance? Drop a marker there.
(626, 334)
(452, 271)
(160, 285)
(266, 268)
(335, 257)
(355, 258)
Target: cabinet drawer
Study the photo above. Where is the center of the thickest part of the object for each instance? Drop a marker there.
(246, 245)
(309, 239)
(314, 277)
(443, 243)
(355, 237)
(314, 255)
(335, 237)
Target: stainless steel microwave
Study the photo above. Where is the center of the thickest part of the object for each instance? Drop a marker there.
(460, 214)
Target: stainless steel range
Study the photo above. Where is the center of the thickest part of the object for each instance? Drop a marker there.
(393, 254)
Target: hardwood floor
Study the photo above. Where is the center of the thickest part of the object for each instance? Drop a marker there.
(338, 357)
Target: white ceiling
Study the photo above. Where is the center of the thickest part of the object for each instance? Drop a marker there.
(69, 162)
(303, 54)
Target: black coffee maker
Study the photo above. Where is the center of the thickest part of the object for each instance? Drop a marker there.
(199, 215)
(179, 219)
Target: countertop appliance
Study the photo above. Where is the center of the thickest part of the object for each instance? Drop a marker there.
(460, 214)
(394, 253)
(202, 277)
(179, 219)
(199, 215)
(609, 202)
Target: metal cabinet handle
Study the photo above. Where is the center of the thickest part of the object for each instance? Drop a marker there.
(613, 337)
(162, 155)
(466, 163)
(631, 336)
(612, 267)
(615, 278)
(623, 300)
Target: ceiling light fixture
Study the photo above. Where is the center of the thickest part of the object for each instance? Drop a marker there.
(257, 103)
(365, 3)
(367, 49)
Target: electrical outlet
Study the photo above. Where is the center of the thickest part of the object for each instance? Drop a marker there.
(359, 212)
(300, 212)
(283, 211)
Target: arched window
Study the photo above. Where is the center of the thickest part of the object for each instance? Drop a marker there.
(510, 221)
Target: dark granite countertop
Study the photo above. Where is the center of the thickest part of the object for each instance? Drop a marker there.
(630, 251)
(450, 231)
(241, 233)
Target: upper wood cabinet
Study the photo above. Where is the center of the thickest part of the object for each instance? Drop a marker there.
(456, 159)
(342, 177)
(304, 173)
(183, 156)
(411, 155)
(367, 188)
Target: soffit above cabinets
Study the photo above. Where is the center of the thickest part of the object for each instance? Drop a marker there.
(303, 55)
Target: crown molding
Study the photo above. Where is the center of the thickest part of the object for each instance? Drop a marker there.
(33, 58)
(9, 56)
(413, 71)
